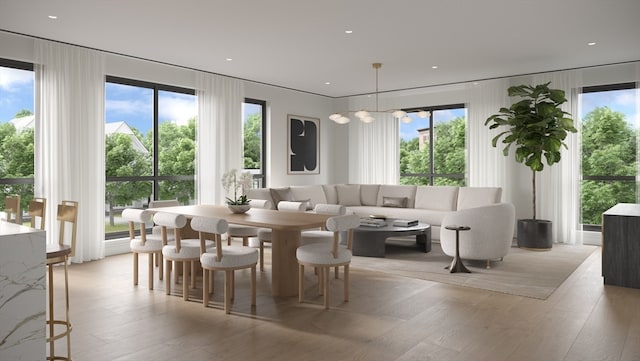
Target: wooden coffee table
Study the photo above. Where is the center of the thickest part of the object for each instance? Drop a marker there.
(370, 241)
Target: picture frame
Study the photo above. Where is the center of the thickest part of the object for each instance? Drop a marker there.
(303, 145)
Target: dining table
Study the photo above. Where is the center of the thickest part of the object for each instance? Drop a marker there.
(285, 238)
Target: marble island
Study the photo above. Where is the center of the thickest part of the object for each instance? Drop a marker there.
(22, 293)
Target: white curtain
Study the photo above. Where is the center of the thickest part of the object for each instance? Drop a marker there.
(488, 167)
(558, 186)
(69, 155)
(374, 154)
(219, 133)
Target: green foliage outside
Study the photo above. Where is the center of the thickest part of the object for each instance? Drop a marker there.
(448, 158)
(252, 133)
(16, 160)
(609, 148)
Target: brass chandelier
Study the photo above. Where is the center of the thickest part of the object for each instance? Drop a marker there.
(366, 116)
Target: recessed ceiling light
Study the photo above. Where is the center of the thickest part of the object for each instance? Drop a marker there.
(348, 31)
(53, 17)
(229, 59)
(327, 83)
(591, 43)
(434, 67)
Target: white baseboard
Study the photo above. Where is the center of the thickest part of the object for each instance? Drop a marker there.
(116, 246)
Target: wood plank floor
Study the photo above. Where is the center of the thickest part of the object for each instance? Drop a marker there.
(387, 318)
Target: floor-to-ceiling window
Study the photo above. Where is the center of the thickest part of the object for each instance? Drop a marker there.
(17, 122)
(610, 136)
(150, 146)
(432, 146)
(254, 130)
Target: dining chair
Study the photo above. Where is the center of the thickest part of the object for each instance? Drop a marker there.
(246, 232)
(38, 211)
(59, 253)
(155, 230)
(186, 251)
(326, 255)
(12, 209)
(143, 243)
(227, 259)
(264, 234)
(319, 236)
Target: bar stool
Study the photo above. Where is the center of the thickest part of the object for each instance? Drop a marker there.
(59, 254)
(38, 209)
(12, 209)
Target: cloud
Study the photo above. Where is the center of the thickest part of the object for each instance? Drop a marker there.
(178, 108)
(129, 107)
(11, 78)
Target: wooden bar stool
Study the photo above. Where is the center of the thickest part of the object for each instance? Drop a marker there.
(59, 254)
(38, 210)
(12, 209)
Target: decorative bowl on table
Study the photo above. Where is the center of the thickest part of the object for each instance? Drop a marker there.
(239, 208)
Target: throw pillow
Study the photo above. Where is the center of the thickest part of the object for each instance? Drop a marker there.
(397, 202)
(280, 194)
(307, 203)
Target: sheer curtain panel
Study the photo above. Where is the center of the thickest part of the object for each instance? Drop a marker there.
(69, 132)
(219, 133)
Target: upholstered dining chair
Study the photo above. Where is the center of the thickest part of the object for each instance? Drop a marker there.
(246, 232)
(227, 259)
(186, 251)
(59, 253)
(12, 209)
(143, 243)
(37, 212)
(326, 255)
(264, 234)
(319, 236)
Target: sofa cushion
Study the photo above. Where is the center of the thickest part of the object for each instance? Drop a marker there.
(397, 202)
(261, 193)
(440, 198)
(313, 194)
(471, 197)
(387, 190)
(348, 194)
(369, 194)
(330, 193)
(281, 194)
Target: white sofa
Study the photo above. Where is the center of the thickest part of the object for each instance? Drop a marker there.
(428, 204)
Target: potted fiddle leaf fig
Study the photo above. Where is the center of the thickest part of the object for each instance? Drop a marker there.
(536, 127)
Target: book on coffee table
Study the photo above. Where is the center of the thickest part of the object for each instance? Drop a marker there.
(369, 222)
(405, 222)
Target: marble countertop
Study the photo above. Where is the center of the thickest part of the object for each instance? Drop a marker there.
(9, 229)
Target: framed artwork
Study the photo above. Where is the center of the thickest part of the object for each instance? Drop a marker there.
(303, 145)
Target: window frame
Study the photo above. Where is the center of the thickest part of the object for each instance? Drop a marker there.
(431, 175)
(261, 178)
(155, 178)
(597, 89)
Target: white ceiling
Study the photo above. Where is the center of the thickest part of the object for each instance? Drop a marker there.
(301, 44)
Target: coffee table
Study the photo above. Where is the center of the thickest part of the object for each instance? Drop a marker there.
(370, 241)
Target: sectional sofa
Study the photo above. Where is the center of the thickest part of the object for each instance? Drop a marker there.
(428, 204)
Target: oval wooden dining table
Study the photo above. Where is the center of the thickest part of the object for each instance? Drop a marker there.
(285, 239)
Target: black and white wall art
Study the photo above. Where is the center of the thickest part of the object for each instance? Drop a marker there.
(303, 150)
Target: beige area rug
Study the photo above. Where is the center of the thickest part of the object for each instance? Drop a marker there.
(534, 274)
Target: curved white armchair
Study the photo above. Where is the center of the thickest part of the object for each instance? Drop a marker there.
(490, 236)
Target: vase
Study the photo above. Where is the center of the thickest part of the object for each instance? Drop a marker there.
(239, 208)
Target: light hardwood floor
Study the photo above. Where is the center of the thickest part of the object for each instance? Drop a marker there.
(387, 318)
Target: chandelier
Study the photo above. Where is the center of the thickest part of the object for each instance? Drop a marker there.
(366, 116)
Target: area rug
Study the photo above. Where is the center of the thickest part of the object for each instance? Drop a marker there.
(527, 273)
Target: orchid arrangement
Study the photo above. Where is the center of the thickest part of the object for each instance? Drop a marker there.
(235, 182)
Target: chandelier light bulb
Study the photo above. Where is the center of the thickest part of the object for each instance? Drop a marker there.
(343, 120)
(367, 119)
(406, 119)
(423, 114)
(361, 114)
(335, 117)
(399, 114)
